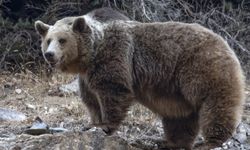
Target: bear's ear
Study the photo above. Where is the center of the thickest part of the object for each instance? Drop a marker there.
(80, 26)
(41, 28)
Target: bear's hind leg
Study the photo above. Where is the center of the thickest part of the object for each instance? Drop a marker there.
(218, 121)
(181, 132)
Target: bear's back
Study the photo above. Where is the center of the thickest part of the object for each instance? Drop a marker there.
(165, 52)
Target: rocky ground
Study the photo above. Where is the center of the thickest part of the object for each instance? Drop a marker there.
(27, 96)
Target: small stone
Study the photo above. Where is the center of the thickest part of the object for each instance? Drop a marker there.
(57, 130)
(72, 87)
(230, 143)
(241, 128)
(38, 127)
(11, 115)
(9, 85)
(93, 129)
(52, 110)
(242, 147)
(138, 129)
(31, 106)
(247, 129)
(224, 146)
(61, 124)
(18, 91)
(241, 137)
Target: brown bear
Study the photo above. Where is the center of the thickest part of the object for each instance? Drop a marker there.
(183, 72)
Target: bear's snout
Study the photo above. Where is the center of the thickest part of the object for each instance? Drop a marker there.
(50, 56)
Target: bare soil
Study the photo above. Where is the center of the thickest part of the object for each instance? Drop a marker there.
(40, 96)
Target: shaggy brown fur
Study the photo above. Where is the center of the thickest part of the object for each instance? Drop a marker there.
(103, 15)
(185, 73)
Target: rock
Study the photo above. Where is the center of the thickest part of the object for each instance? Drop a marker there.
(18, 91)
(39, 127)
(230, 143)
(239, 140)
(7, 136)
(72, 87)
(57, 130)
(241, 132)
(242, 128)
(130, 137)
(11, 115)
(6, 139)
(30, 106)
(96, 140)
(241, 137)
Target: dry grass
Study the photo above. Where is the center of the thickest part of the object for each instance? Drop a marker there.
(20, 45)
(67, 109)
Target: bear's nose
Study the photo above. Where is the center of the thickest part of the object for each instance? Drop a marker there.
(49, 56)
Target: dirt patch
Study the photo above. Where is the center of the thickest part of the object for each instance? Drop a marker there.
(40, 96)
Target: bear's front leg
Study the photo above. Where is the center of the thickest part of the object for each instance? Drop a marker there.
(90, 100)
(112, 84)
(114, 100)
(110, 76)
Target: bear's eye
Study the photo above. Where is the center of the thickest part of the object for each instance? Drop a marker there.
(62, 41)
(48, 41)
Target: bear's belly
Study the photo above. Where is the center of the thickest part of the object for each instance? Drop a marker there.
(171, 107)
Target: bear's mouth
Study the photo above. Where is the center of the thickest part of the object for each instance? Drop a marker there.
(58, 64)
(51, 62)
(54, 64)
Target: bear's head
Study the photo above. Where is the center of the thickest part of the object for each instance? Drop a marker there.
(67, 44)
